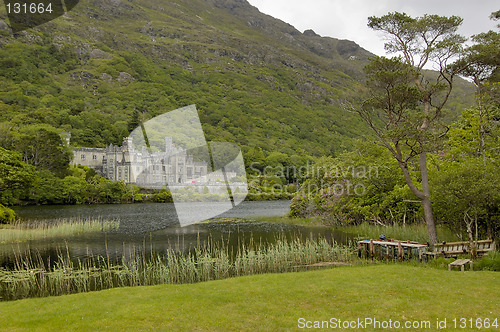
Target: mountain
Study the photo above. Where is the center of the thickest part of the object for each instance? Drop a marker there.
(100, 69)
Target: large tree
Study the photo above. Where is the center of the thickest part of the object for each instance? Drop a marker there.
(406, 100)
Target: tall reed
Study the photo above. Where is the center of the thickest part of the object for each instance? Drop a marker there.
(37, 230)
(32, 277)
(412, 232)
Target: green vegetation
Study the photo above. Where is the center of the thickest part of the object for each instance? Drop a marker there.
(366, 186)
(99, 87)
(270, 301)
(100, 71)
(408, 101)
(27, 231)
(32, 278)
(412, 232)
(310, 221)
(490, 262)
(423, 167)
(6, 215)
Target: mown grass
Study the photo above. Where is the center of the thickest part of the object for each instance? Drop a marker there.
(270, 302)
(32, 277)
(26, 231)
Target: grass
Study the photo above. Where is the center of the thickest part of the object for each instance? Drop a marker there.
(281, 220)
(311, 221)
(32, 277)
(270, 302)
(411, 232)
(26, 231)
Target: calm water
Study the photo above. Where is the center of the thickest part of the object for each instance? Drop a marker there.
(154, 227)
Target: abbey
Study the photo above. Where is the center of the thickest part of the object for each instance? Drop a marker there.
(147, 169)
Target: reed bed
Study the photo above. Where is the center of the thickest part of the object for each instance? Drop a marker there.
(38, 230)
(32, 277)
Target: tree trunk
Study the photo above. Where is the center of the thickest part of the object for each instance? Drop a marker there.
(424, 195)
(429, 221)
(426, 200)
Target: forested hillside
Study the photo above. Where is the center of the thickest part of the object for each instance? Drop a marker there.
(256, 80)
(99, 70)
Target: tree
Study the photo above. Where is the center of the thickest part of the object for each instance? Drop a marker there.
(405, 100)
(481, 63)
(474, 142)
(15, 176)
(43, 148)
(468, 194)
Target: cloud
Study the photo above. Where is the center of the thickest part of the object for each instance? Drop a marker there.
(348, 19)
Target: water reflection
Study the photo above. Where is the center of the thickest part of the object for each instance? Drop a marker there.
(147, 229)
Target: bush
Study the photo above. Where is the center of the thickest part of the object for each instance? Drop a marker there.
(6, 215)
(491, 262)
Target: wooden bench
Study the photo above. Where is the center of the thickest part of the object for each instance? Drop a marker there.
(453, 249)
(461, 263)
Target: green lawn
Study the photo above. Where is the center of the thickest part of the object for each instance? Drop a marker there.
(269, 302)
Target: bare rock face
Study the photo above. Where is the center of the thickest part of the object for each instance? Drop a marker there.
(347, 47)
(4, 26)
(125, 77)
(230, 5)
(83, 50)
(106, 77)
(310, 33)
(99, 54)
(83, 76)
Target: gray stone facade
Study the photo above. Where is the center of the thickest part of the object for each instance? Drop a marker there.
(156, 169)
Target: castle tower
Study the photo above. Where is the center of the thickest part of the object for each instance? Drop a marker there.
(168, 145)
(127, 144)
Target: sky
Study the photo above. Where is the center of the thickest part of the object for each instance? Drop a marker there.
(347, 19)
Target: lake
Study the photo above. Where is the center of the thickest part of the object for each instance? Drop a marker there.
(153, 227)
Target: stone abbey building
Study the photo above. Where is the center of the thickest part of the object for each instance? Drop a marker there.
(124, 163)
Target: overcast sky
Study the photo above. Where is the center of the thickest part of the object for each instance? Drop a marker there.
(347, 19)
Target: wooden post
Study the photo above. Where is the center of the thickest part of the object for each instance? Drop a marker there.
(359, 249)
(399, 250)
(372, 249)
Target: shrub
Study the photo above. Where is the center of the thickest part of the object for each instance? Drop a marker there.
(6, 215)
(491, 262)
